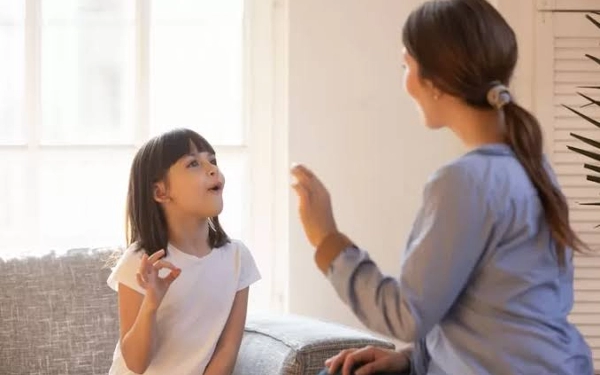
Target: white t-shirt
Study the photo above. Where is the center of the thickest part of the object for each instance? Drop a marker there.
(193, 313)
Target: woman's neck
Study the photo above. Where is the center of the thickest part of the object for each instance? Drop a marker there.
(189, 235)
(476, 127)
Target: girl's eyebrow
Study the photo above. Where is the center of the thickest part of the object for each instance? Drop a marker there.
(193, 153)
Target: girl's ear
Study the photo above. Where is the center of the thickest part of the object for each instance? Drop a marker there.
(160, 192)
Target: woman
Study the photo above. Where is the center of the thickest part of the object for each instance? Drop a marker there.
(487, 279)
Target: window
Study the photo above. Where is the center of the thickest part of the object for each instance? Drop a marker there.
(83, 83)
(564, 36)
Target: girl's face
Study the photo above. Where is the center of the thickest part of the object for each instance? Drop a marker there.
(193, 185)
(425, 95)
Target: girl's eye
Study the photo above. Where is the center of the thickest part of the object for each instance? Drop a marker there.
(213, 161)
(193, 163)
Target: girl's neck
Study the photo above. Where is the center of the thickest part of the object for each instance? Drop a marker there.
(189, 235)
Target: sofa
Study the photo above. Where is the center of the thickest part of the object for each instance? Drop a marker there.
(58, 316)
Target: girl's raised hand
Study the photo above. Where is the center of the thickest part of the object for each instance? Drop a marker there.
(156, 287)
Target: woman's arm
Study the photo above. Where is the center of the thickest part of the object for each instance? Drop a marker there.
(449, 237)
(225, 355)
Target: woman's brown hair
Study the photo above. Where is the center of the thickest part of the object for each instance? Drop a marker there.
(465, 48)
(146, 225)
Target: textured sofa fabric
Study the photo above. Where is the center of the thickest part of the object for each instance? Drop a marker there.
(58, 316)
(294, 345)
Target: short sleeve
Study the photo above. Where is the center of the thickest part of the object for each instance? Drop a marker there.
(249, 273)
(125, 271)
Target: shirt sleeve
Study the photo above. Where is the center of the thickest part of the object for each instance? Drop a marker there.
(447, 240)
(125, 271)
(249, 273)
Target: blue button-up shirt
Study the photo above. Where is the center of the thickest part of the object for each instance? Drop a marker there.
(481, 284)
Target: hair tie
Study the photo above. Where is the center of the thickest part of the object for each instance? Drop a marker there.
(498, 95)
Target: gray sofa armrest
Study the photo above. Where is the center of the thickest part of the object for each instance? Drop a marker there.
(295, 345)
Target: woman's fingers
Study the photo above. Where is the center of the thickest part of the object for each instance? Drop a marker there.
(380, 365)
(301, 172)
(306, 178)
(307, 185)
(360, 356)
(302, 192)
(337, 361)
(385, 361)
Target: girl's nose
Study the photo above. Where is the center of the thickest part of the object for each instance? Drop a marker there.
(212, 169)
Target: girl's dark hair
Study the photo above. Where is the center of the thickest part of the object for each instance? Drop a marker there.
(464, 47)
(146, 225)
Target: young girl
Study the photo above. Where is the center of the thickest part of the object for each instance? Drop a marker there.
(487, 279)
(182, 283)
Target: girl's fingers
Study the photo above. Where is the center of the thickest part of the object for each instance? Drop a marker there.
(156, 256)
(158, 265)
(172, 276)
(141, 280)
(175, 271)
(150, 267)
(143, 269)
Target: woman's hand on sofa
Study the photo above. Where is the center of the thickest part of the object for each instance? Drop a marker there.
(369, 360)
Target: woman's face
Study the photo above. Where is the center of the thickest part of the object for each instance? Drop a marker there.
(424, 93)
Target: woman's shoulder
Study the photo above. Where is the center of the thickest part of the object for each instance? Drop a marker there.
(464, 180)
(459, 173)
(488, 175)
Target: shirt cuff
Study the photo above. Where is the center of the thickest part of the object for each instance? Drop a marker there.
(330, 248)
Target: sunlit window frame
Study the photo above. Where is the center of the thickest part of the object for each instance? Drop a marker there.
(259, 117)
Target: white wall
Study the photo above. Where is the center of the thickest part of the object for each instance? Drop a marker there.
(350, 120)
(340, 94)
(521, 16)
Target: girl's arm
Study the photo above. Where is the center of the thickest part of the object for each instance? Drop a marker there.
(137, 311)
(225, 355)
(137, 323)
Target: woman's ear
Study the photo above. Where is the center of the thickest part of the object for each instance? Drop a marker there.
(434, 91)
(160, 193)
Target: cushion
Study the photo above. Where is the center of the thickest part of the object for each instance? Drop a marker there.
(295, 345)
